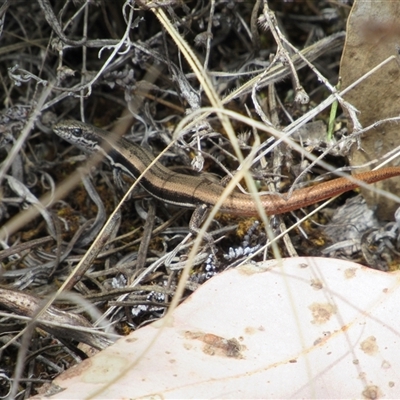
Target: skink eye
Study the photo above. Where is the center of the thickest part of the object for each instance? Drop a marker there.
(77, 132)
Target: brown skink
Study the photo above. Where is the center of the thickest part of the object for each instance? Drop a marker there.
(193, 191)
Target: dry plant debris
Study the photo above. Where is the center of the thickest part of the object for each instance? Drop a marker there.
(222, 84)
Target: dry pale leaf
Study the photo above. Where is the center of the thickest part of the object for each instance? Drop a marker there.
(299, 328)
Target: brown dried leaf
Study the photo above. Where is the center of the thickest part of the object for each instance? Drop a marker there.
(373, 34)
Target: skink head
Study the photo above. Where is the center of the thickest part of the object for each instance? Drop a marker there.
(78, 134)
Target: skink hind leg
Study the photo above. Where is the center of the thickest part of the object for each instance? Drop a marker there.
(199, 215)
